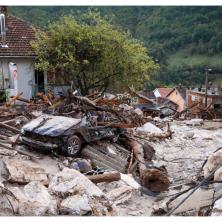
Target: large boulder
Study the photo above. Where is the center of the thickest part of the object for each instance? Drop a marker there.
(149, 128)
(74, 187)
(70, 181)
(23, 172)
(218, 175)
(212, 163)
(217, 208)
(33, 200)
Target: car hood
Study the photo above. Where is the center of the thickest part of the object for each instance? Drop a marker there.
(49, 125)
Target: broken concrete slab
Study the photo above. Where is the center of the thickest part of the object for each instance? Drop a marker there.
(218, 175)
(189, 135)
(33, 200)
(129, 180)
(120, 195)
(217, 208)
(70, 181)
(213, 161)
(194, 122)
(75, 205)
(23, 172)
(200, 198)
(149, 128)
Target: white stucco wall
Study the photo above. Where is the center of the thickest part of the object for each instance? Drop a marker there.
(25, 74)
(156, 93)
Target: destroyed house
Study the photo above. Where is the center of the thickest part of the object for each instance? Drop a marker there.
(161, 92)
(178, 96)
(198, 95)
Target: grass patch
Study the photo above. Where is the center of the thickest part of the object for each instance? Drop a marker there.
(182, 57)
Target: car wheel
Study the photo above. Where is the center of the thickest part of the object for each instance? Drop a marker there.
(74, 145)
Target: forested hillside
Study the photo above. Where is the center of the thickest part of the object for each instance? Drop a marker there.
(183, 40)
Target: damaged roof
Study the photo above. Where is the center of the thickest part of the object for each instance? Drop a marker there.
(18, 38)
(164, 91)
(182, 91)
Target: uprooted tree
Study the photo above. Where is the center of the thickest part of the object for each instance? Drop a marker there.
(92, 53)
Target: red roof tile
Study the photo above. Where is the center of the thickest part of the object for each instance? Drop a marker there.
(164, 91)
(18, 38)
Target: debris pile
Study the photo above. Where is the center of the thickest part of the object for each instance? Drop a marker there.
(93, 155)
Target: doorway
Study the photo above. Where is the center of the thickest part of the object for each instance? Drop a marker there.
(39, 81)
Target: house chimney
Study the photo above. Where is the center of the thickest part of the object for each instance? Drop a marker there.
(3, 10)
(3, 26)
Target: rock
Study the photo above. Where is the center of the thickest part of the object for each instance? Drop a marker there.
(134, 213)
(120, 195)
(217, 208)
(5, 207)
(81, 165)
(74, 166)
(218, 175)
(138, 111)
(66, 163)
(194, 122)
(125, 107)
(188, 135)
(149, 128)
(23, 172)
(213, 161)
(76, 205)
(109, 96)
(70, 182)
(33, 200)
(3, 172)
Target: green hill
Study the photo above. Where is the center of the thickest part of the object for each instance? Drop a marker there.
(182, 39)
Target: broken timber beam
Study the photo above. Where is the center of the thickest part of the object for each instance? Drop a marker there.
(9, 103)
(106, 177)
(13, 129)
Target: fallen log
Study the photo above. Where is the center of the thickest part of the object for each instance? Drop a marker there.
(106, 177)
(151, 178)
(23, 99)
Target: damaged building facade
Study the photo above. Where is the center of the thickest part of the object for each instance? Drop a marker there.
(199, 95)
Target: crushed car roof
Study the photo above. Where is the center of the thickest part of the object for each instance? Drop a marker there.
(50, 125)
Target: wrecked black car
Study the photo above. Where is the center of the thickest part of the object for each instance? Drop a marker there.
(49, 132)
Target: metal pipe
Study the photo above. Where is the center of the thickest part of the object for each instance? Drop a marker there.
(206, 85)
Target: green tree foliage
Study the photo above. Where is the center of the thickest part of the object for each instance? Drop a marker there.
(164, 30)
(93, 53)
